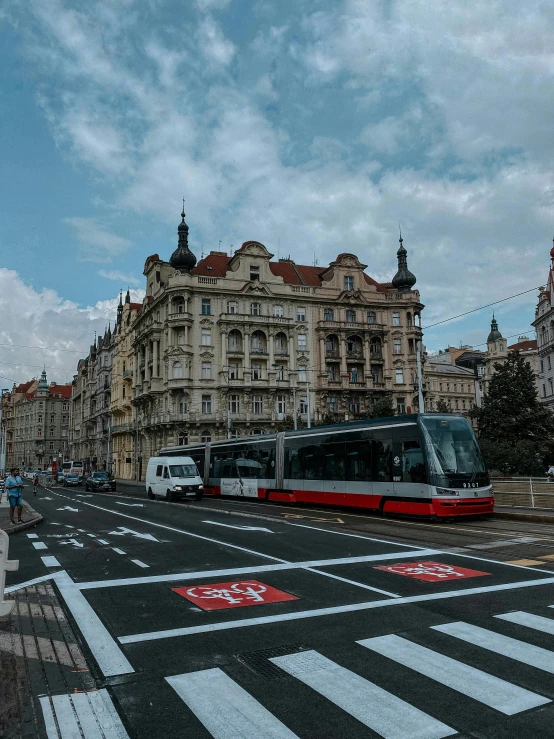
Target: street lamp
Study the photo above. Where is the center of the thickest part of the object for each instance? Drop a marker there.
(2, 432)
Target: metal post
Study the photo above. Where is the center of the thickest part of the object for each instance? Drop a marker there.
(308, 404)
(419, 379)
(294, 407)
(532, 495)
(137, 449)
(228, 419)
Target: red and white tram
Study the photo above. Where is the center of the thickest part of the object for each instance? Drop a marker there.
(424, 464)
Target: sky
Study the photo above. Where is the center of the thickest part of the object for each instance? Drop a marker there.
(313, 126)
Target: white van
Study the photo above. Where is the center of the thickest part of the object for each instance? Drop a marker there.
(172, 478)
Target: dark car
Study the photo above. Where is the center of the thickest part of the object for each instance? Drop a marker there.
(71, 479)
(100, 481)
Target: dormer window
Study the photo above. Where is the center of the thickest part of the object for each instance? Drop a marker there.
(254, 272)
(348, 283)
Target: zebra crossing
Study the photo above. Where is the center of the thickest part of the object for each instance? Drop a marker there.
(228, 711)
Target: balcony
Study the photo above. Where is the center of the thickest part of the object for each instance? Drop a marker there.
(332, 354)
(127, 373)
(235, 350)
(259, 350)
(250, 319)
(358, 325)
(376, 356)
(282, 352)
(355, 354)
(177, 318)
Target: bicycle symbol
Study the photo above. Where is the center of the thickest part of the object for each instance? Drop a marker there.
(236, 592)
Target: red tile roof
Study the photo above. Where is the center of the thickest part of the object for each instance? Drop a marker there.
(286, 271)
(135, 306)
(63, 390)
(217, 262)
(24, 387)
(524, 346)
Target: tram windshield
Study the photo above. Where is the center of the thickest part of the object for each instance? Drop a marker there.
(453, 455)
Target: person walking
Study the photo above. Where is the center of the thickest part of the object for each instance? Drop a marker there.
(35, 484)
(14, 486)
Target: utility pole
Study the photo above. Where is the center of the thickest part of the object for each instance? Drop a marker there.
(308, 403)
(419, 378)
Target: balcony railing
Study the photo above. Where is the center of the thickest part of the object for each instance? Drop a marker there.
(258, 350)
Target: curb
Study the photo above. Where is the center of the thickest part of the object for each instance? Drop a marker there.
(530, 517)
(37, 518)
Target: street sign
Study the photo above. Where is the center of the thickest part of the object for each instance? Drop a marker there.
(431, 571)
(215, 596)
(6, 606)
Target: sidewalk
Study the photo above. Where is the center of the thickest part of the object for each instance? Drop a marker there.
(30, 518)
(520, 513)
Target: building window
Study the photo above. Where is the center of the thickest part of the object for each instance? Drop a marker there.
(206, 306)
(302, 374)
(41, 404)
(396, 319)
(235, 340)
(543, 393)
(277, 311)
(206, 370)
(40, 419)
(328, 314)
(409, 319)
(332, 404)
(51, 445)
(280, 404)
(371, 316)
(281, 344)
(206, 337)
(232, 307)
(332, 372)
(551, 388)
(399, 376)
(457, 404)
(254, 272)
(302, 342)
(549, 363)
(303, 405)
(542, 366)
(463, 403)
(52, 418)
(233, 370)
(411, 346)
(206, 404)
(348, 283)
(234, 403)
(177, 370)
(206, 437)
(39, 432)
(279, 371)
(257, 404)
(255, 309)
(256, 432)
(401, 406)
(181, 337)
(397, 346)
(257, 371)
(258, 343)
(183, 405)
(51, 432)
(351, 316)
(354, 405)
(183, 440)
(301, 314)
(447, 387)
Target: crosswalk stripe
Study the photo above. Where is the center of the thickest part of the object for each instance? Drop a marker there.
(374, 707)
(226, 710)
(94, 712)
(542, 659)
(65, 716)
(492, 691)
(539, 623)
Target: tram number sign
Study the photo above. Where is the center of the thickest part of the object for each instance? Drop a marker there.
(431, 571)
(215, 596)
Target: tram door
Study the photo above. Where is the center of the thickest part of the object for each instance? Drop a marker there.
(397, 466)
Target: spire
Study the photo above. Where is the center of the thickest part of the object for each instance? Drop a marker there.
(495, 333)
(128, 296)
(182, 258)
(43, 383)
(552, 251)
(403, 280)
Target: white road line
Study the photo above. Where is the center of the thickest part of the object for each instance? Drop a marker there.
(32, 536)
(39, 545)
(374, 707)
(92, 536)
(330, 611)
(353, 582)
(93, 710)
(49, 723)
(83, 531)
(102, 706)
(249, 570)
(117, 551)
(110, 658)
(539, 623)
(87, 719)
(139, 563)
(492, 691)
(28, 583)
(240, 528)
(50, 562)
(227, 710)
(352, 536)
(65, 716)
(103, 541)
(542, 659)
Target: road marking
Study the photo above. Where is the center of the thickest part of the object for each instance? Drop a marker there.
(92, 536)
(103, 541)
(182, 576)
(503, 543)
(80, 495)
(374, 707)
(45, 498)
(73, 542)
(28, 583)
(109, 657)
(525, 562)
(330, 611)
(39, 545)
(130, 505)
(65, 716)
(241, 528)
(492, 691)
(354, 582)
(50, 562)
(226, 710)
(82, 531)
(537, 657)
(118, 551)
(32, 536)
(94, 710)
(139, 563)
(68, 508)
(313, 518)
(68, 526)
(123, 530)
(539, 623)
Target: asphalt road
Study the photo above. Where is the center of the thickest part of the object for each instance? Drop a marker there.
(233, 619)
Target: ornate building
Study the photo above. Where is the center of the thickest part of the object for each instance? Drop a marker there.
(235, 345)
(498, 350)
(447, 382)
(544, 328)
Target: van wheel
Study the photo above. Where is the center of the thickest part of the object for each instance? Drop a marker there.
(150, 494)
(170, 495)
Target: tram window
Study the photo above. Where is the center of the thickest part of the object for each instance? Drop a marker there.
(358, 460)
(382, 454)
(293, 464)
(333, 461)
(312, 462)
(413, 464)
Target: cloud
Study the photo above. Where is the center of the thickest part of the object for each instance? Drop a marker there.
(205, 5)
(96, 243)
(121, 277)
(214, 46)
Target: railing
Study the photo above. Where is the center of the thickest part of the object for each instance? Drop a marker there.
(524, 492)
(259, 350)
(207, 280)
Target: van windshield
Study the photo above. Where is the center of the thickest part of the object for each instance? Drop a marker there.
(183, 470)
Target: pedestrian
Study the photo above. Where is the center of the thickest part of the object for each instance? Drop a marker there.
(14, 486)
(35, 484)
(550, 473)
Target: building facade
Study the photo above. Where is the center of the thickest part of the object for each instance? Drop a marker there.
(544, 329)
(498, 350)
(242, 344)
(449, 383)
(36, 416)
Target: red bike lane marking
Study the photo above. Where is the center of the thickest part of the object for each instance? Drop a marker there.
(237, 594)
(431, 571)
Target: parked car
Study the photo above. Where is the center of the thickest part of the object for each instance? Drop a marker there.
(70, 480)
(100, 481)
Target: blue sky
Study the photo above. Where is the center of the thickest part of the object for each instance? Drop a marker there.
(314, 125)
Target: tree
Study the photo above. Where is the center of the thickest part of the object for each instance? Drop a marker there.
(382, 407)
(515, 430)
(442, 407)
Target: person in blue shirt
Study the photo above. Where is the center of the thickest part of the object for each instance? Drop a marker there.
(14, 486)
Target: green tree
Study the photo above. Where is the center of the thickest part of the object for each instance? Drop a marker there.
(516, 432)
(442, 407)
(382, 406)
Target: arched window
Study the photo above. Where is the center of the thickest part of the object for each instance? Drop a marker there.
(354, 345)
(178, 305)
(234, 340)
(278, 311)
(206, 436)
(258, 343)
(183, 404)
(281, 343)
(177, 370)
(375, 347)
(256, 432)
(331, 344)
(183, 440)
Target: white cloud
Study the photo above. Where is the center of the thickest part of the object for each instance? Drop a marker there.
(121, 277)
(216, 48)
(96, 243)
(205, 5)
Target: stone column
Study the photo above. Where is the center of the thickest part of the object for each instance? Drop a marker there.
(322, 353)
(367, 359)
(146, 360)
(246, 347)
(271, 345)
(342, 345)
(292, 352)
(155, 358)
